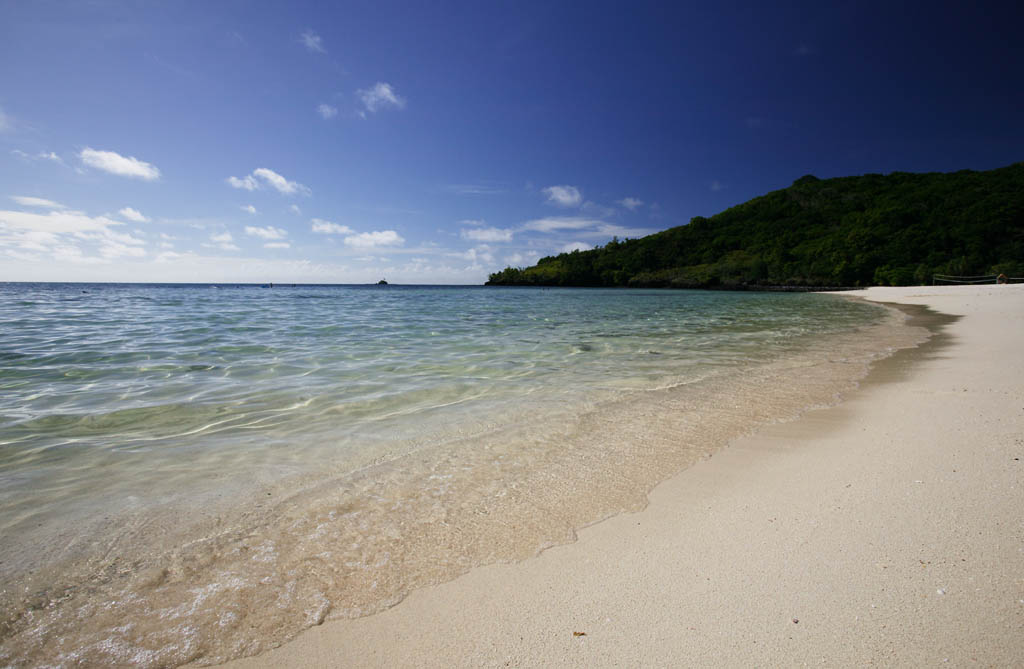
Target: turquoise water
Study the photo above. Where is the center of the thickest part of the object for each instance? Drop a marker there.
(147, 429)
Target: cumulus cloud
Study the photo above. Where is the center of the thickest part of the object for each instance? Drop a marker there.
(133, 215)
(269, 232)
(575, 246)
(248, 208)
(631, 203)
(472, 221)
(245, 183)
(223, 240)
(380, 96)
(487, 234)
(564, 196)
(369, 240)
(277, 245)
(264, 176)
(476, 255)
(327, 111)
(279, 182)
(115, 163)
(37, 202)
(295, 210)
(62, 234)
(323, 227)
(313, 42)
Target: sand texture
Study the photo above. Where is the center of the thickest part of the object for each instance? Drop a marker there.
(888, 530)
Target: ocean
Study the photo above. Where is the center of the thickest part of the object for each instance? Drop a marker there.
(200, 472)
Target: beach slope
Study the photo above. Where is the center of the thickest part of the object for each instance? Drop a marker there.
(886, 530)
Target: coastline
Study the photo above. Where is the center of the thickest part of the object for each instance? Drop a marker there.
(882, 530)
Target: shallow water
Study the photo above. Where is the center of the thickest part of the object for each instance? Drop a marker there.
(193, 473)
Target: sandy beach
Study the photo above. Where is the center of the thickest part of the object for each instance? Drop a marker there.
(886, 530)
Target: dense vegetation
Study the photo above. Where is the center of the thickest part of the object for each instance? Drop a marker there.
(896, 229)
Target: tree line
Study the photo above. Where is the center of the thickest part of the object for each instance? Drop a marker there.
(896, 229)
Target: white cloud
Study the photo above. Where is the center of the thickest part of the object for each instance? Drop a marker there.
(716, 185)
(62, 234)
(42, 155)
(369, 240)
(552, 223)
(588, 227)
(328, 228)
(563, 196)
(519, 259)
(37, 202)
(249, 208)
(6, 124)
(279, 182)
(327, 111)
(55, 222)
(380, 96)
(252, 182)
(475, 189)
(245, 183)
(487, 234)
(608, 230)
(313, 42)
(111, 249)
(277, 245)
(223, 240)
(476, 255)
(133, 215)
(269, 232)
(631, 203)
(575, 246)
(472, 221)
(115, 163)
(295, 210)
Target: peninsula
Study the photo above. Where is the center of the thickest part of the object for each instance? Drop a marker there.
(871, 230)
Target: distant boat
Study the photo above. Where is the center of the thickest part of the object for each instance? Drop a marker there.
(382, 282)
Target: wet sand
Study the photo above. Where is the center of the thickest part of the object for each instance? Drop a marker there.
(886, 530)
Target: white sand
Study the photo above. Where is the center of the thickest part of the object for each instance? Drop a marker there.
(890, 527)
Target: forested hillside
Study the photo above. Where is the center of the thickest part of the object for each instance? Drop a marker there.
(894, 229)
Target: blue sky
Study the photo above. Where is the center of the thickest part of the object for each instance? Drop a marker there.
(438, 142)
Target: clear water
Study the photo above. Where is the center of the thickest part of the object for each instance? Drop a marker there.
(223, 466)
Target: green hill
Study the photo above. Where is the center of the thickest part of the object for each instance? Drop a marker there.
(894, 229)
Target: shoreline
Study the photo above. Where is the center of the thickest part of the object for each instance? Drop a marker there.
(872, 523)
(214, 577)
